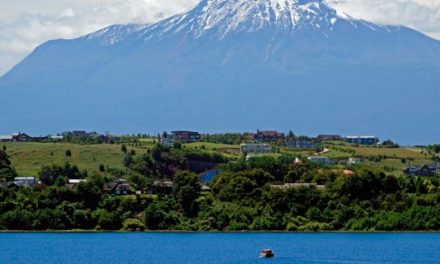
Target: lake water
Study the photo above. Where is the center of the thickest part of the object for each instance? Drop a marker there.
(203, 248)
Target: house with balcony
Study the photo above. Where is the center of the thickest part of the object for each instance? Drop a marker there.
(247, 148)
(118, 187)
(362, 140)
(302, 144)
(427, 170)
(268, 136)
(186, 136)
(25, 181)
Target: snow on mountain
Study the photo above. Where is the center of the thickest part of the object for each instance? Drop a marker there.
(225, 16)
(114, 34)
(230, 65)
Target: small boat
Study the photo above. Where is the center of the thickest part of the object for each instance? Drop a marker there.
(266, 253)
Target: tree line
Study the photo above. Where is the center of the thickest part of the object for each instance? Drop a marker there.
(248, 194)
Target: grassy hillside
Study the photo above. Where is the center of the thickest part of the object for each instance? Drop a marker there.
(394, 158)
(28, 158)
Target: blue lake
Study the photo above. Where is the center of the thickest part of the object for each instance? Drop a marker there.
(194, 248)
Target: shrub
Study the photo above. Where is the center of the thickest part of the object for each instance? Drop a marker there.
(133, 225)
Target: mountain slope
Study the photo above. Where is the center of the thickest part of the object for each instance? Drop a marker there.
(230, 65)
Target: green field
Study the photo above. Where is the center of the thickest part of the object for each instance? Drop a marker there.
(413, 153)
(28, 158)
(391, 157)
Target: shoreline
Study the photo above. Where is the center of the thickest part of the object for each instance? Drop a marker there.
(207, 232)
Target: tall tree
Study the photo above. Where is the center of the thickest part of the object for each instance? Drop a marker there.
(6, 171)
(186, 191)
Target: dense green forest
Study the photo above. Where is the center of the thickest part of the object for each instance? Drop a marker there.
(248, 194)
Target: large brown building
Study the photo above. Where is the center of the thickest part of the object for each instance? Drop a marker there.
(268, 136)
(186, 136)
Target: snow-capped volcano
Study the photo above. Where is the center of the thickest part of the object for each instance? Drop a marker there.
(229, 65)
(226, 16)
(219, 18)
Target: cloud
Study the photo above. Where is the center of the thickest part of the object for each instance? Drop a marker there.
(423, 15)
(27, 23)
(24, 24)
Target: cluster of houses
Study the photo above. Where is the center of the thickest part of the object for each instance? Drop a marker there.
(262, 142)
(118, 186)
(31, 181)
(427, 170)
(23, 137)
(16, 137)
(181, 136)
(262, 139)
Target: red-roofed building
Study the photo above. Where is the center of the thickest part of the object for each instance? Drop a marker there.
(186, 136)
(268, 136)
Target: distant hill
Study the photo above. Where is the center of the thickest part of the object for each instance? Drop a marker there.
(234, 65)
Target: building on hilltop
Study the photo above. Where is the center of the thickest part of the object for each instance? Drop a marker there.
(25, 181)
(354, 161)
(302, 144)
(5, 138)
(186, 136)
(255, 148)
(16, 137)
(427, 170)
(268, 136)
(362, 140)
(118, 187)
(21, 137)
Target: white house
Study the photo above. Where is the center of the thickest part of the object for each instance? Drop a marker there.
(255, 148)
(354, 161)
(362, 140)
(25, 181)
(5, 138)
(76, 181)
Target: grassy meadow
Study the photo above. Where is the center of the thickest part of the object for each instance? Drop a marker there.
(28, 158)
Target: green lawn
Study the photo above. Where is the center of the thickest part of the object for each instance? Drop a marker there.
(28, 158)
(413, 153)
(344, 150)
(211, 146)
(394, 156)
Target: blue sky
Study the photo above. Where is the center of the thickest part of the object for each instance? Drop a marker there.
(24, 24)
